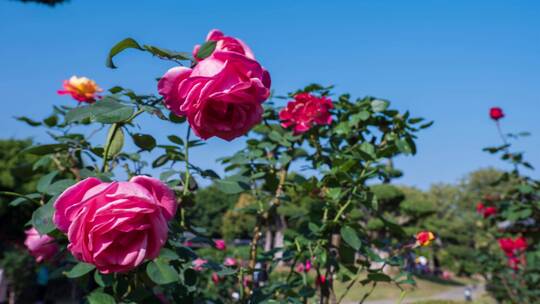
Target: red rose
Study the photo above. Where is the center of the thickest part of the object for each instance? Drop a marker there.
(480, 207)
(496, 113)
(514, 249)
(225, 43)
(489, 211)
(306, 111)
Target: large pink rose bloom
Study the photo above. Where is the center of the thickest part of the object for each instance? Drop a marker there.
(115, 226)
(41, 247)
(221, 96)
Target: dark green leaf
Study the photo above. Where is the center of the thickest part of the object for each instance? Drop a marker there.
(168, 54)
(176, 119)
(379, 277)
(29, 121)
(175, 139)
(45, 149)
(128, 43)
(51, 121)
(144, 141)
(206, 49)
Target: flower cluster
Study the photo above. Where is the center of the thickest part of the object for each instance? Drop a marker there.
(81, 89)
(305, 111)
(485, 211)
(115, 226)
(222, 95)
(513, 249)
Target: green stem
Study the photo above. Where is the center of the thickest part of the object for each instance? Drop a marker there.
(186, 159)
(110, 136)
(187, 176)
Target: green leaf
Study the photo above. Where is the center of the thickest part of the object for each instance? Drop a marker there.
(231, 185)
(160, 161)
(403, 146)
(116, 139)
(78, 114)
(45, 149)
(206, 49)
(109, 111)
(379, 277)
(379, 105)
(128, 43)
(23, 198)
(175, 139)
(79, 270)
(144, 141)
(350, 237)
(98, 297)
(161, 273)
(43, 162)
(45, 181)
(51, 121)
(103, 280)
(42, 217)
(168, 54)
(29, 121)
(176, 119)
(59, 186)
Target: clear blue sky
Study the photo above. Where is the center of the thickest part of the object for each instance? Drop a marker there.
(448, 61)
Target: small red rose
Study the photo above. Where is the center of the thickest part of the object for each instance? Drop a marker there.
(496, 113)
(305, 111)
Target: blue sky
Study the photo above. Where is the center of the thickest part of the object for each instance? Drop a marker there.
(448, 61)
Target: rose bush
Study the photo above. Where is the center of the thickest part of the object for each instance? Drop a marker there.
(507, 243)
(134, 239)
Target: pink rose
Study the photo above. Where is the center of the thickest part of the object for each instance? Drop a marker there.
(306, 111)
(115, 226)
(220, 244)
(221, 96)
(41, 247)
(225, 43)
(231, 262)
(308, 265)
(198, 264)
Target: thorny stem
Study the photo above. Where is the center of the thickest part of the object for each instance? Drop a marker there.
(505, 142)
